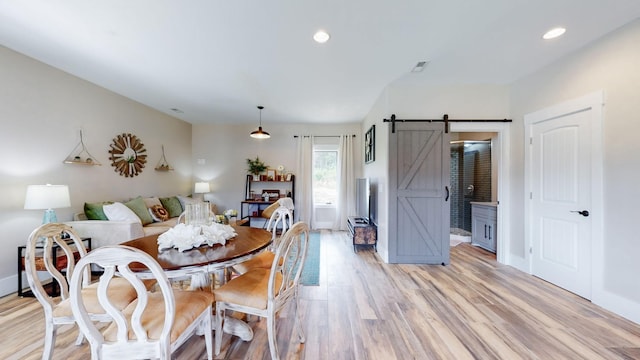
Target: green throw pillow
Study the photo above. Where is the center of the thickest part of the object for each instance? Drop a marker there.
(172, 204)
(94, 211)
(138, 206)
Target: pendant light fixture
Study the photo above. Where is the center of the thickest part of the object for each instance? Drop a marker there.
(260, 134)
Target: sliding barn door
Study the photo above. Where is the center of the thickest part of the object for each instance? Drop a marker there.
(419, 193)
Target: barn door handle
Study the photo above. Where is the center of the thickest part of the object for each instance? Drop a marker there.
(447, 197)
(584, 213)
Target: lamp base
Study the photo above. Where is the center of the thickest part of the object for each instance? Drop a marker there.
(49, 216)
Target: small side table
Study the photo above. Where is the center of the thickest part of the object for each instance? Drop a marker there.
(54, 288)
(363, 231)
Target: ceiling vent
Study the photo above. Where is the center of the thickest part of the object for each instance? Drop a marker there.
(420, 66)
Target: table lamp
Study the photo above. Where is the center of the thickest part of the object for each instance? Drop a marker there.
(202, 188)
(47, 197)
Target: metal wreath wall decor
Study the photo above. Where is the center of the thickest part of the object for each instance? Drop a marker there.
(128, 155)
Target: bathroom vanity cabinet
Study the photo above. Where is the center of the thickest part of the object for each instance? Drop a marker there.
(483, 225)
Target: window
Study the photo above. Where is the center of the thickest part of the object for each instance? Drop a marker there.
(325, 175)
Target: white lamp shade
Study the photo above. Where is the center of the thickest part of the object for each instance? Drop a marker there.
(202, 187)
(47, 197)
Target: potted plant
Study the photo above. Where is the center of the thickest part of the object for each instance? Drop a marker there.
(255, 167)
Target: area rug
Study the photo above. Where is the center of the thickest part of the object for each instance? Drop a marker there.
(311, 273)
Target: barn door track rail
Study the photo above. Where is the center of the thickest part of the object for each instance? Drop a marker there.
(445, 119)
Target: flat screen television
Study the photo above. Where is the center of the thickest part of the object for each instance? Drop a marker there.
(373, 202)
(363, 199)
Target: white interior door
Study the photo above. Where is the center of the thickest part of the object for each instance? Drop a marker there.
(560, 193)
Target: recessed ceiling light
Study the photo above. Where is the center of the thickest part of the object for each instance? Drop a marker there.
(321, 36)
(554, 33)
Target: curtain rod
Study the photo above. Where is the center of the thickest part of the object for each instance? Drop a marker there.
(444, 119)
(297, 136)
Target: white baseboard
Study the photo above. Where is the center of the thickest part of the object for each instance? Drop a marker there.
(9, 285)
(460, 238)
(607, 300)
(323, 225)
(617, 304)
(519, 263)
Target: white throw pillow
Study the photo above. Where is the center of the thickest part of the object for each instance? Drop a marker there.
(151, 201)
(120, 212)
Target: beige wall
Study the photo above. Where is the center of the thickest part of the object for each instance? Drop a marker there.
(42, 110)
(611, 65)
(225, 148)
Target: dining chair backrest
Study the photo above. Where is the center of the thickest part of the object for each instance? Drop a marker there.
(40, 256)
(145, 328)
(287, 266)
(286, 202)
(54, 248)
(47, 250)
(281, 216)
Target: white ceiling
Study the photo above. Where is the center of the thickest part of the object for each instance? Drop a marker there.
(217, 60)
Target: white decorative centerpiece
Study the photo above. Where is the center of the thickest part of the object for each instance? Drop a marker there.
(187, 236)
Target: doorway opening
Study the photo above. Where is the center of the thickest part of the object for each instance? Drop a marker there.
(472, 180)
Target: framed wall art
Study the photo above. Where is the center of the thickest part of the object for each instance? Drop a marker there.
(271, 175)
(370, 145)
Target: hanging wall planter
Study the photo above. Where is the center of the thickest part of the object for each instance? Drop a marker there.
(80, 155)
(163, 165)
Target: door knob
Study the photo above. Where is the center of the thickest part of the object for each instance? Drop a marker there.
(584, 213)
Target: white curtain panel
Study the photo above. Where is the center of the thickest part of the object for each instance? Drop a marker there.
(304, 181)
(346, 183)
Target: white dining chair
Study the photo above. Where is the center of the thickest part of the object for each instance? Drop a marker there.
(280, 216)
(281, 203)
(264, 292)
(39, 257)
(152, 326)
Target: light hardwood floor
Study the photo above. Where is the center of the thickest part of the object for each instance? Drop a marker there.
(474, 308)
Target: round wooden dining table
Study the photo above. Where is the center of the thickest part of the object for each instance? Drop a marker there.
(249, 242)
(198, 263)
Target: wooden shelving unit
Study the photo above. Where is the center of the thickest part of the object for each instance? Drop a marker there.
(255, 202)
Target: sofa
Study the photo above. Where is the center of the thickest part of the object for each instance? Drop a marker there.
(113, 222)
